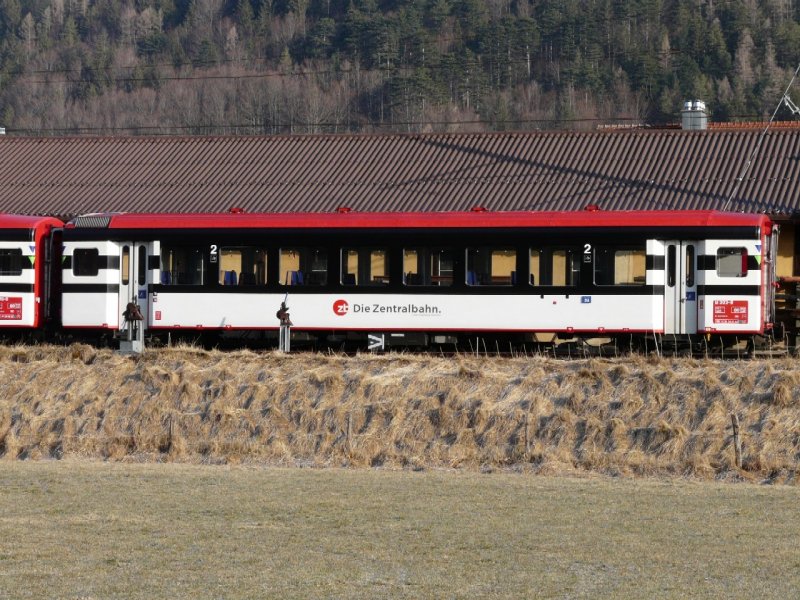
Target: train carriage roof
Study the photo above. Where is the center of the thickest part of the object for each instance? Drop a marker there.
(480, 219)
(27, 221)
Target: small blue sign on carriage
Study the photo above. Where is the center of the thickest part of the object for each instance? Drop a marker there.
(142, 294)
(691, 296)
(586, 299)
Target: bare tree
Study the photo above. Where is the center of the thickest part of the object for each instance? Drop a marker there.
(28, 34)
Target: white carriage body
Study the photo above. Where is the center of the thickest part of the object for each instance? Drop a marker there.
(691, 284)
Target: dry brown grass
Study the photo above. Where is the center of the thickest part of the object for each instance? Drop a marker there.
(631, 416)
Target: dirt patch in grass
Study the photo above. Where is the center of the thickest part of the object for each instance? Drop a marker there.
(626, 417)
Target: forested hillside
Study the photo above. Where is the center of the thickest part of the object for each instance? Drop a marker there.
(312, 66)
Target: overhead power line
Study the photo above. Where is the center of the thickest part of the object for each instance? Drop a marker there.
(784, 100)
(331, 126)
(343, 126)
(485, 60)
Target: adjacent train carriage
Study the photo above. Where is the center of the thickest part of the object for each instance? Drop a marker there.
(430, 278)
(28, 278)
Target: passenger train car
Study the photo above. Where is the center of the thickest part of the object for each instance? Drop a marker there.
(420, 279)
(29, 273)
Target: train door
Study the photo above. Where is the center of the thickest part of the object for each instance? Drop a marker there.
(771, 254)
(680, 289)
(134, 276)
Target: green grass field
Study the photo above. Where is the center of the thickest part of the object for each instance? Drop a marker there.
(74, 529)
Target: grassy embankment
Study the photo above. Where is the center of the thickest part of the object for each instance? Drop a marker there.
(628, 416)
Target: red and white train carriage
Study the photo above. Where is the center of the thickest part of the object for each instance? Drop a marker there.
(29, 286)
(425, 278)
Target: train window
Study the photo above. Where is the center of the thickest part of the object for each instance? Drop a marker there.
(85, 262)
(565, 267)
(141, 266)
(671, 265)
(534, 263)
(619, 266)
(183, 266)
(303, 266)
(690, 266)
(126, 265)
(491, 266)
(365, 266)
(732, 262)
(428, 266)
(10, 261)
(242, 265)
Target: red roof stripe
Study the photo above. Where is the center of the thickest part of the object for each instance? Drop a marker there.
(510, 219)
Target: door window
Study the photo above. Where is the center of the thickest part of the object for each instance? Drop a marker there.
(126, 264)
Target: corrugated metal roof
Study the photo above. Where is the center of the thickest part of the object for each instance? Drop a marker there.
(630, 169)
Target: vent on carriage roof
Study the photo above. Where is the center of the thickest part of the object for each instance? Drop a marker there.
(92, 221)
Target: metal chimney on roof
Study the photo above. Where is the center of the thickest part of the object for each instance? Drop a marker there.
(693, 115)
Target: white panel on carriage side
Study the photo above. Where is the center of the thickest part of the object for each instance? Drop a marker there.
(86, 309)
(753, 248)
(105, 276)
(732, 312)
(655, 276)
(90, 308)
(105, 248)
(19, 309)
(410, 312)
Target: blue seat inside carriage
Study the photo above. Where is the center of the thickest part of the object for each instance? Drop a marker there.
(295, 278)
(230, 278)
(472, 278)
(166, 277)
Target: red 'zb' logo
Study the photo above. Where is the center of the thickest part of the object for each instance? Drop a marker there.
(340, 307)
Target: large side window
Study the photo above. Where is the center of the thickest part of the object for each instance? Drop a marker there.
(242, 265)
(303, 266)
(534, 266)
(365, 266)
(564, 267)
(428, 266)
(183, 266)
(554, 266)
(619, 266)
(491, 266)
(85, 262)
(10, 261)
(732, 262)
